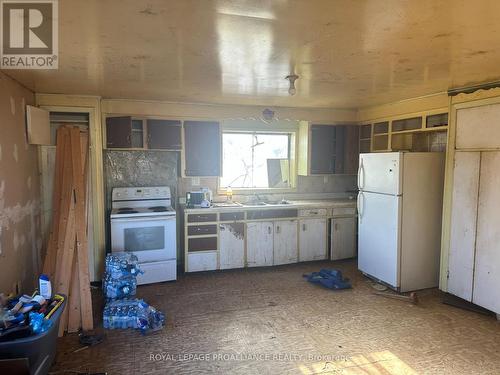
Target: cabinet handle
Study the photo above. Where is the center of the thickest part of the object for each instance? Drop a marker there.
(303, 227)
(336, 227)
(269, 230)
(278, 229)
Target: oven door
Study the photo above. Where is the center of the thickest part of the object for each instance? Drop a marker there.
(151, 239)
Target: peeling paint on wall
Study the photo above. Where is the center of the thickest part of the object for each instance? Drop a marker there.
(12, 106)
(15, 154)
(20, 249)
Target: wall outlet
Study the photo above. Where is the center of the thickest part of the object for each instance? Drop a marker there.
(182, 200)
(195, 181)
(325, 179)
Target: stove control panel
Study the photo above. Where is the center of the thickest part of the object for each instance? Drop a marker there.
(141, 193)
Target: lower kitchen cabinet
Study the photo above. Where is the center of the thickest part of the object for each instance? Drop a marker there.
(285, 242)
(260, 244)
(202, 261)
(232, 245)
(474, 254)
(343, 238)
(312, 239)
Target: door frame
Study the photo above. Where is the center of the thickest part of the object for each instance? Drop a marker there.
(96, 258)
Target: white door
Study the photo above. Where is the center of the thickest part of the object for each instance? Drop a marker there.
(463, 224)
(380, 173)
(343, 238)
(285, 242)
(260, 244)
(487, 262)
(379, 236)
(232, 245)
(312, 239)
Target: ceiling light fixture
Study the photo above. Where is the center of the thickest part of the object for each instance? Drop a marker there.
(292, 78)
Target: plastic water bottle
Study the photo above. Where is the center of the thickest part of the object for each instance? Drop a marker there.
(45, 287)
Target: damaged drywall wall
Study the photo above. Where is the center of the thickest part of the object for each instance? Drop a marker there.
(20, 239)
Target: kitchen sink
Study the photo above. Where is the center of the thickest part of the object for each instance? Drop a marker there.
(227, 204)
(255, 204)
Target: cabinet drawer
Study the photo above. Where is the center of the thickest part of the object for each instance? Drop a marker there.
(232, 216)
(200, 218)
(196, 230)
(344, 211)
(271, 214)
(313, 212)
(206, 261)
(202, 244)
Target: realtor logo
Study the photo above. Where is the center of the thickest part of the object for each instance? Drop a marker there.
(29, 34)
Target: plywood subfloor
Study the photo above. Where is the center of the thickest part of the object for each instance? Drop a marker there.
(224, 318)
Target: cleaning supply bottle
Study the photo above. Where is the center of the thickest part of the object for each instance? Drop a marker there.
(45, 287)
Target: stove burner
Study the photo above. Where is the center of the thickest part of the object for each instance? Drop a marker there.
(158, 208)
(129, 211)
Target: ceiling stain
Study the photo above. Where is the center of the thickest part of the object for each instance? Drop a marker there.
(148, 12)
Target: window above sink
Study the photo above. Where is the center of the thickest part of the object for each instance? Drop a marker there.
(257, 160)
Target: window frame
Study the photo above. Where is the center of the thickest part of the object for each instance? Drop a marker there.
(292, 157)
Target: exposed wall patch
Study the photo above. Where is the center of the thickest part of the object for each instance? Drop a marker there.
(15, 153)
(12, 106)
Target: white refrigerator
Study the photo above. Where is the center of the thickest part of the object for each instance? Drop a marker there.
(399, 212)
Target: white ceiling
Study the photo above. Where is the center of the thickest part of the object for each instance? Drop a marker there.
(348, 54)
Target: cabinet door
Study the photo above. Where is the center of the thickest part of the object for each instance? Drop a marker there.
(478, 127)
(202, 148)
(351, 152)
(164, 134)
(312, 239)
(232, 245)
(487, 261)
(119, 132)
(343, 238)
(260, 244)
(285, 242)
(322, 149)
(463, 224)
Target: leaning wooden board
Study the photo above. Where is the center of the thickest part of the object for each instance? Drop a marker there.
(67, 254)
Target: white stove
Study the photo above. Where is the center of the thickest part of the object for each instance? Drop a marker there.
(143, 222)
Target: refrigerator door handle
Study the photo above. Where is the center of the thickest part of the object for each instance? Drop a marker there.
(360, 213)
(361, 172)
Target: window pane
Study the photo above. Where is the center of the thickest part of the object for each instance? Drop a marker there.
(246, 157)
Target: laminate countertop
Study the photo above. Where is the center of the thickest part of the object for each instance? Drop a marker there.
(292, 204)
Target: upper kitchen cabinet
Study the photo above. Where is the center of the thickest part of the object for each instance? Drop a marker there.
(420, 132)
(139, 133)
(328, 149)
(164, 134)
(119, 132)
(202, 148)
(478, 127)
